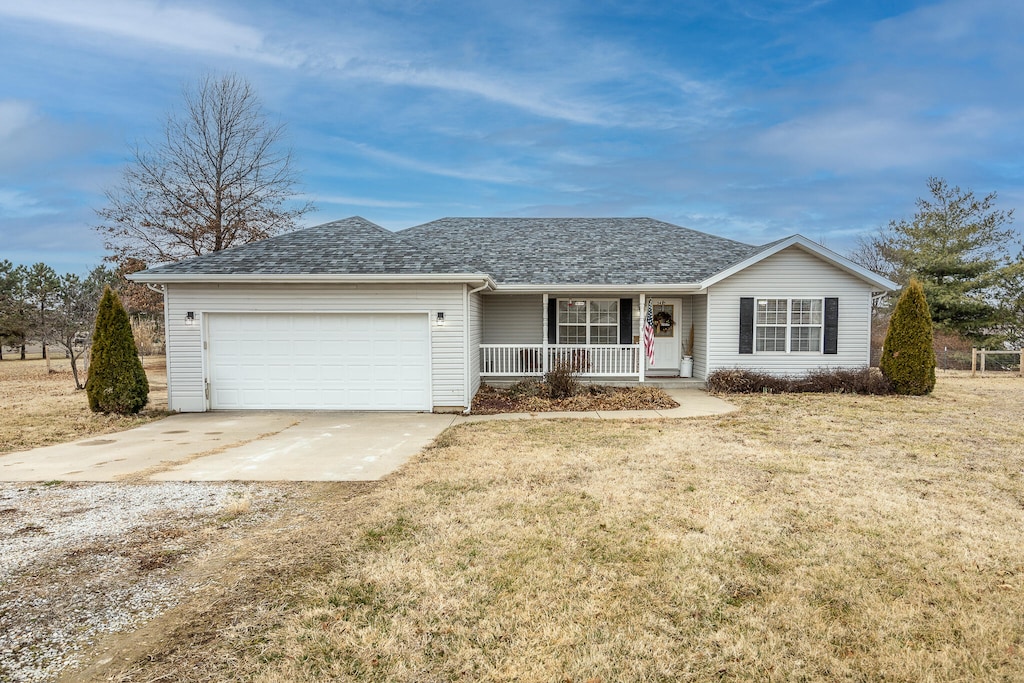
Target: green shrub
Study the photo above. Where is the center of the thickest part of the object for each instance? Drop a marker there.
(908, 357)
(836, 381)
(117, 382)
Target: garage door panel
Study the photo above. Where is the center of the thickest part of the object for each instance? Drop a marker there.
(325, 361)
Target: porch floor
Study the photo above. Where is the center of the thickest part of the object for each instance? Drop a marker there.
(668, 382)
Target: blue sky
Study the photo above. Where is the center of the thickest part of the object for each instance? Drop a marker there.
(752, 120)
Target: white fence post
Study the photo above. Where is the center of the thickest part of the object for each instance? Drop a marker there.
(642, 361)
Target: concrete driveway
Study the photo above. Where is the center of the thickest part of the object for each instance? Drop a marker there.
(280, 445)
(237, 445)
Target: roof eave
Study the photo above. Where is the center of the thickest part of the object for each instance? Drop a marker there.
(156, 277)
(637, 288)
(841, 262)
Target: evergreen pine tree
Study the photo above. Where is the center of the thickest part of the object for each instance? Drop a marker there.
(908, 358)
(959, 247)
(117, 382)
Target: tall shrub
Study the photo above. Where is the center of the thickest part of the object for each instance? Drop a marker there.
(908, 357)
(117, 382)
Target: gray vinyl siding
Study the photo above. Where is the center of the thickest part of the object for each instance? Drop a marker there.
(519, 318)
(699, 303)
(185, 355)
(513, 319)
(476, 327)
(792, 273)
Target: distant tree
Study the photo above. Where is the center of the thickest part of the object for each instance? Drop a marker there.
(117, 382)
(74, 314)
(908, 356)
(138, 299)
(41, 283)
(959, 247)
(1011, 298)
(15, 311)
(216, 178)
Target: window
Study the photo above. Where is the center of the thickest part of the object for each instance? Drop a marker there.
(788, 325)
(588, 321)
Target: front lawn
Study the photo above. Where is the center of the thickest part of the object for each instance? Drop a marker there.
(39, 408)
(806, 537)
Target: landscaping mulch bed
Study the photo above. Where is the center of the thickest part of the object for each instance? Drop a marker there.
(492, 400)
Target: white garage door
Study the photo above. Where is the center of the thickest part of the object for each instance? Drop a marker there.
(350, 361)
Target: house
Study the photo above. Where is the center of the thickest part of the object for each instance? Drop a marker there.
(351, 316)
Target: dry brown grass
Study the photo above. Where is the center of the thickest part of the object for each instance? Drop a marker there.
(39, 409)
(807, 537)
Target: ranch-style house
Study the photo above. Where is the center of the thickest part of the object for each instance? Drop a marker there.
(351, 316)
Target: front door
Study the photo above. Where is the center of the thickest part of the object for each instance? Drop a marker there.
(667, 336)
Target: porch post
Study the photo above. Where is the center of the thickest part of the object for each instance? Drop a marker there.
(643, 354)
(544, 335)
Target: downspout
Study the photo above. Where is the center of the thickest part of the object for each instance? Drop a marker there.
(162, 289)
(707, 334)
(465, 302)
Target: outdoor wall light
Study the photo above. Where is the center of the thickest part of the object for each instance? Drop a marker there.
(190, 318)
(440, 318)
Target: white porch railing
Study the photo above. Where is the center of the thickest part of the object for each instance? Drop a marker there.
(594, 360)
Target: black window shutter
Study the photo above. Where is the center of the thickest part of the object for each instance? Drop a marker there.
(552, 321)
(830, 344)
(625, 321)
(747, 324)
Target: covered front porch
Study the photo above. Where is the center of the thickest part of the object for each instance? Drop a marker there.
(598, 336)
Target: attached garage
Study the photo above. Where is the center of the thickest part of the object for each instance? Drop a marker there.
(318, 361)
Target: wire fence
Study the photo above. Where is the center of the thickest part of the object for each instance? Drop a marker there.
(947, 358)
(997, 360)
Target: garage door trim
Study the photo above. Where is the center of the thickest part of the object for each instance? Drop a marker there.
(425, 315)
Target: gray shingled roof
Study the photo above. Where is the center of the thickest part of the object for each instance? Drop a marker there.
(612, 251)
(543, 251)
(350, 246)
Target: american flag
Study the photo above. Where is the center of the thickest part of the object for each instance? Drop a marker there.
(649, 333)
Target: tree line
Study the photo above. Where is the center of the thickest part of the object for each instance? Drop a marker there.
(38, 305)
(968, 258)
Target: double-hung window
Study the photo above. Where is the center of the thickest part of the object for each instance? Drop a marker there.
(788, 325)
(588, 321)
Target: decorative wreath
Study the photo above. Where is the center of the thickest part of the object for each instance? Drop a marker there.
(663, 320)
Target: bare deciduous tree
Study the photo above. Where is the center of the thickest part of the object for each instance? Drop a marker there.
(217, 178)
(75, 314)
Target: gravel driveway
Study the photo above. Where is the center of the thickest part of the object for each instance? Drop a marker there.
(79, 560)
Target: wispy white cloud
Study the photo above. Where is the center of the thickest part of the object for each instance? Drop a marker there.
(18, 204)
(14, 117)
(565, 84)
(877, 137)
(491, 172)
(30, 139)
(173, 26)
(344, 200)
(496, 88)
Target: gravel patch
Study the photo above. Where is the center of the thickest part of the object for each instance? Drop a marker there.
(79, 560)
